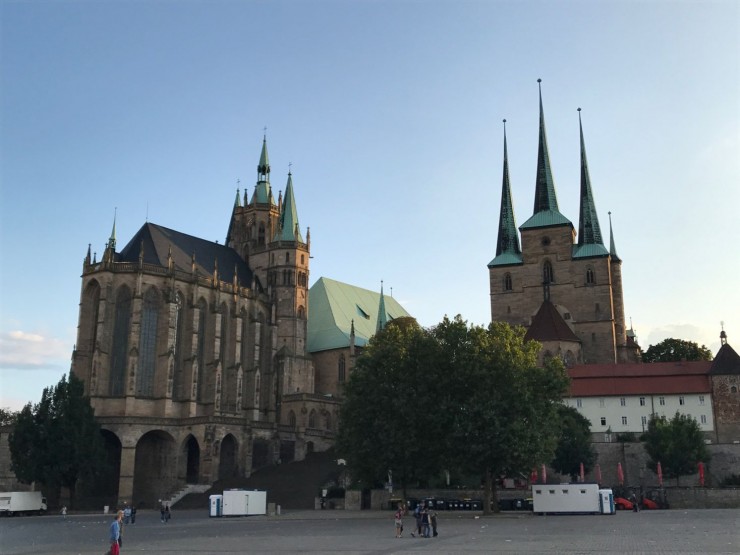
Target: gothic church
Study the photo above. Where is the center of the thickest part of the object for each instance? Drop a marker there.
(566, 292)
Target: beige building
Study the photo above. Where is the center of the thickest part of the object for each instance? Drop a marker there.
(566, 287)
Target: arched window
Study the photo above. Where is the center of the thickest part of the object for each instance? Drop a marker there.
(261, 234)
(342, 369)
(177, 347)
(590, 279)
(547, 274)
(148, 344)
(508, 286)
(119, 354)
(312, 419)
(89, 322)
(327, 421)
(291, 419)
(246, 363)
(224, 335)
(301, 313)
(287, 257)
(200, 351)
(733, 389)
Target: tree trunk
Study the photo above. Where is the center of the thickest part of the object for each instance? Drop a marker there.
(487, 493)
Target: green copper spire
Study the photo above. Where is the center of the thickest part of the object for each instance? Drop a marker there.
(508, 250)
(238, 200)
(589, 231)
(382, 314)
(612, 248)
(263, 191)
(546, 212)
(288, 229)
(590, 243)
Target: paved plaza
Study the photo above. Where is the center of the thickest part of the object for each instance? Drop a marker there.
(372, 532)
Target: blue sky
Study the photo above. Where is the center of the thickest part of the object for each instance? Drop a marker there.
(390, 113)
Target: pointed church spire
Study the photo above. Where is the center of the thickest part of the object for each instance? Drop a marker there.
(382, 314)
(508, 250)
(612, 247)
(544, 196)
(238, 200)
(263, 191)
(508, 237)
(589, 231)
(288, 224)
(112, 240)
(546, 212)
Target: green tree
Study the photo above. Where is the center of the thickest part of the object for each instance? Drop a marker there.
(58, 441)
(677, 444)
(384, 425)
(675, 350)
(503, 406)
(574, 444)
(8, 417)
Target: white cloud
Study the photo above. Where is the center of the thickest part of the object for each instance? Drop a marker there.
(687, 332)
(32, 351)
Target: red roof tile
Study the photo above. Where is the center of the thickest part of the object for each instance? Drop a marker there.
(636, 379)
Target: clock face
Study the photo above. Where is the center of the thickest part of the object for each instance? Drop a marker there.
(545, 241)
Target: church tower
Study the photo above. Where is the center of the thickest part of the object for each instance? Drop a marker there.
(581, 279)
(268, 236)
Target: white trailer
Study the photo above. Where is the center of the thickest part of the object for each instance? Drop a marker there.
(22, 502)
(572, 498)
(239, 502)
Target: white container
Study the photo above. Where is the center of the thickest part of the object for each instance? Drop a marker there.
(607, 502)
(216, 505)
(568, 498)
(22, 502)
(239, 502)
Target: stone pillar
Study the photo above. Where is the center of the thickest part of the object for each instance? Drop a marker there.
(126, 478)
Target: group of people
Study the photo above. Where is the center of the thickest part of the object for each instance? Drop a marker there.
(164, 512)
(123, 517)
(425, 521)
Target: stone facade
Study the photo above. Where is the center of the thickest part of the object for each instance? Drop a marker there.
(194, 353)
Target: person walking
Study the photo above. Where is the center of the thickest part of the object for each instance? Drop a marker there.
(417, 517)
(399, 520)
(114, 534)
(433, 521)
(64, 511)
(167, 514)
(161, 512)
(133, 514)
(424, 522)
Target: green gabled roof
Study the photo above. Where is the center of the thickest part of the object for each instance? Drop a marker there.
(546, 218)
(545, 199)
(332, 306)
(288, 229)
(506, 259)
(589, 251)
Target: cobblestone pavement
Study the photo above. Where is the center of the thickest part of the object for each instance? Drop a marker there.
(366, 532)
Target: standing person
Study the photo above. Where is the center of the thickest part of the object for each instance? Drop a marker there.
(433, 520)
(424, 522)
(417, 517)
(133, 514)
(167, 514)
(64, 511)
(399, 520)
(115, 533)
(161, 512)
(126, 514)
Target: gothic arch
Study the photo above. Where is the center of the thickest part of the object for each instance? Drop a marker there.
(155, 470)
(189, 461)
(107, 483)
(151, 307)
(89, 312)
(179, 349)
(119, 352)
(228, 466)
(201, 348)
(312, 418)
(548, 275)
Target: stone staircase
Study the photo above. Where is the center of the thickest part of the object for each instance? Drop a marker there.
(187, 490)
(292, 485)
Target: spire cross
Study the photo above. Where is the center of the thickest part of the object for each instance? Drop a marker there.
(290, 166)
(264, 130)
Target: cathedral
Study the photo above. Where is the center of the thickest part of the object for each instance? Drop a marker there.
(200, 359)
(564, 287)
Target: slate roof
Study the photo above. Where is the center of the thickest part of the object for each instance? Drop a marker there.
(668, 378)
(726, 362)
(157, 241)
(548, 325)
(334, 305)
